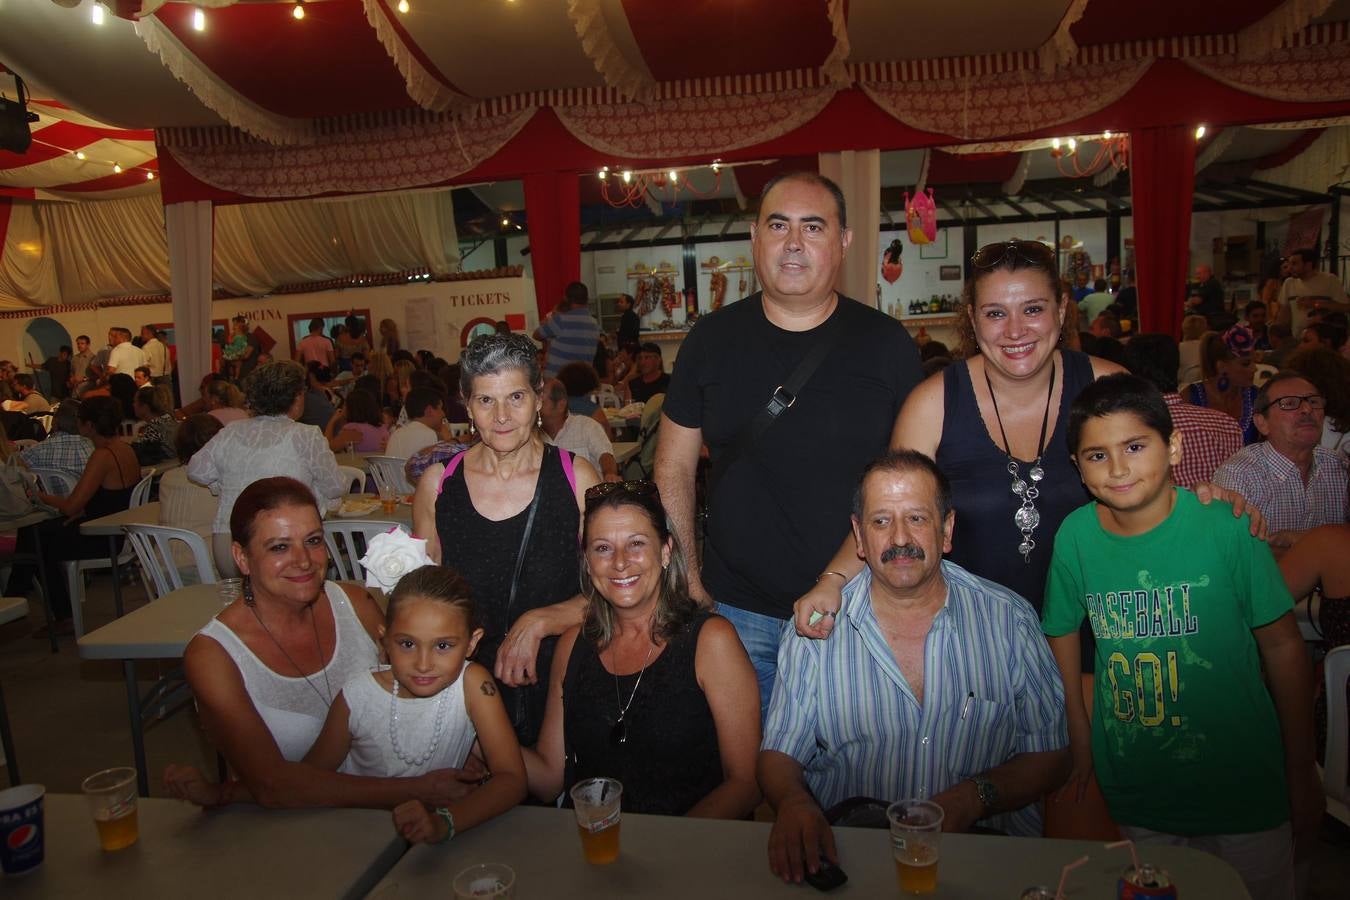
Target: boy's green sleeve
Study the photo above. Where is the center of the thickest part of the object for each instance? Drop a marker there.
(1063, 609)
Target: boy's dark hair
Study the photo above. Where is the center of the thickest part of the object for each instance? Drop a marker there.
(1118, 393)
(419, 399)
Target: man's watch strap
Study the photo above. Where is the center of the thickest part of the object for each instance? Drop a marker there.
(988, 793)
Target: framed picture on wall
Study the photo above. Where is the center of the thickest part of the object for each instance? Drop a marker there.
(949, 273)
(937, 248)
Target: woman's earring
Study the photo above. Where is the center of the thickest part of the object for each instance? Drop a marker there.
(539, 419)
(472, 430)
(1224, 382)
(248, 591)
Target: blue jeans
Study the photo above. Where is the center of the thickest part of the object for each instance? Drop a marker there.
(761, 635)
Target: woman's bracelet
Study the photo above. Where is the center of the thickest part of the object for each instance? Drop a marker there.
(830, 572)
(449, 823)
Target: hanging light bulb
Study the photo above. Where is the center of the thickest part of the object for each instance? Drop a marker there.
(602, 174)
(1073, 145)
(1106, 135)
(198, 19)
(403, 6)
(299, 9)
(96, 13)
(627, 176)
(674, 176)
(505, 221)
(1200, 132)
(149, 176)
(117, 168)
(79, 154)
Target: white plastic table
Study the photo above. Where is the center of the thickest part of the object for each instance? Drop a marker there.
(238, 852)
(666, 856)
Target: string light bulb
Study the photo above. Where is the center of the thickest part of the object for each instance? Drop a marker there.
(117, 168)
(627, 176)
(298, 11)
(1073, 145)
(674, 176)
(505, 221)
(96, 13)
(79, 154)
(1106, 135)
(149, 176)
(1200, 132)
(403, 6)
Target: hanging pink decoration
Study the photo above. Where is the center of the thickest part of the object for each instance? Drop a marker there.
(921, 217)
(891, 266)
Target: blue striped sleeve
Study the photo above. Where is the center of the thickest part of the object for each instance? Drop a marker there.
(791, 724)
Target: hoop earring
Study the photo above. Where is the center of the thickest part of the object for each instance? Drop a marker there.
(248, 591)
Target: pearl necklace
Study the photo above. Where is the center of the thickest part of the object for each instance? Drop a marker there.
(436, 729)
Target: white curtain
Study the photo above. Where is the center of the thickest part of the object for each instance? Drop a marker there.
(189, 233)
(77, 252)
(1326, 162)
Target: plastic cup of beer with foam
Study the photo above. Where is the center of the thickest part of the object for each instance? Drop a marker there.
(112, 801)
(596, 801)
(916, 844)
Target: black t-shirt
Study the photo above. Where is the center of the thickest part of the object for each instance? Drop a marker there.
(630, 328)
(643, 391)
(779, 513)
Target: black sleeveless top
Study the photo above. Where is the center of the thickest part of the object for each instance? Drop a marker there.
(484, 552)
(671, 758)
(985, 540)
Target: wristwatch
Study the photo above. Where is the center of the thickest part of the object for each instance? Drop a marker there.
(988, 792)
(449, 823)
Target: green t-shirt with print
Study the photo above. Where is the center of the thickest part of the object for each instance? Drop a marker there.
(1185, 738)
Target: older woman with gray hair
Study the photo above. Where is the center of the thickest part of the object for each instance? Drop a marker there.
(269, 443)
(506, 513)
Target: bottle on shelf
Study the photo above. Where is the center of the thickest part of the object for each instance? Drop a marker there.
(935, 305)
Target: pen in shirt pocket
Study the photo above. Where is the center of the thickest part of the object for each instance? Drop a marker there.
(965, 707)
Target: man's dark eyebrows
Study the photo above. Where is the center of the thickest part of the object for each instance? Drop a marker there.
(773, 216)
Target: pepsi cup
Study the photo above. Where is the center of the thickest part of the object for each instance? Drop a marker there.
(21, 838)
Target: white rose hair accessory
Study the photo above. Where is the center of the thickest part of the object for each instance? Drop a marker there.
(391, 555)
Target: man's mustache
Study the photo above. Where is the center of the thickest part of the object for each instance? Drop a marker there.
(908, 551)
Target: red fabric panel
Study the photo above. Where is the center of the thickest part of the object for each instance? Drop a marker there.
(952, 168)
(328, 64)
(553, 201)
(1105, 22)
(1162, 168)
(21, 193)
(699, 38)
(396, 23)
(1295, 148)
(110, 182)
(66, 137)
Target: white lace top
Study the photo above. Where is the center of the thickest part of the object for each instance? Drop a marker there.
(262, 447)
(372, 751)
(293, 710)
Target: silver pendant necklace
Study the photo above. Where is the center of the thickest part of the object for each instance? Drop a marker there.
(436, 728)
(618, 735)
(1027, 516)
(328, 701)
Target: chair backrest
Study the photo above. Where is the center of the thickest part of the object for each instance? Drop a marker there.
(644, 462)
(154, 551)
(141, 492)
(389, 470)
(1336, 669)
(130, 427)
(54, 481)
(355, 478)
(607, 397)
(346, 540)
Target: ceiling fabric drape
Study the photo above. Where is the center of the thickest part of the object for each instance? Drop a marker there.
(59, 253)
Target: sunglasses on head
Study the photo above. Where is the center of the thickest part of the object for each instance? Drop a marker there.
(642, 489)
(1032, 253)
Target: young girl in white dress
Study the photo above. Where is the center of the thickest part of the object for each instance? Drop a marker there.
(426, 709)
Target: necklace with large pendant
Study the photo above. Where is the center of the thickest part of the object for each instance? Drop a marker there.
(1027, 517)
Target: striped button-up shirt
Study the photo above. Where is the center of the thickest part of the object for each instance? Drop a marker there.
(1273, 484)
(842, 708)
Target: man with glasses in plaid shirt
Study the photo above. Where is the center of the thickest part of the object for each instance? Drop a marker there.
(1295, 483)
(64, 449)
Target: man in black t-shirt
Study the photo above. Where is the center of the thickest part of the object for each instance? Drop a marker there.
(630, 327)
(648, 377)
(778, 512)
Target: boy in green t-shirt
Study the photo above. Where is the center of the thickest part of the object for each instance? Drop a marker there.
(1188, 743)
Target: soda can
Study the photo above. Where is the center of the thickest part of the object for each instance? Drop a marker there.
(1148, 882)
(1039, 892)
(21, 837)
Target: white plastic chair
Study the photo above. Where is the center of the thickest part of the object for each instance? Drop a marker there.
(54, 481)
(344, 548)
(1336, 671)
(25, 443)
(75, 568)
(355, 478)
(390, 470)
(153, 546)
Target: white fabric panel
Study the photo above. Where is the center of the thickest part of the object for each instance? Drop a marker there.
(189, 237)
(107, 248)
(1326, 162)
(858, 174)
(27, 263)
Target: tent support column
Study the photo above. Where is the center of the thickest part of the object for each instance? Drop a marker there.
(1162, 168)
(553, 211)
(858, 174)
(189, 226)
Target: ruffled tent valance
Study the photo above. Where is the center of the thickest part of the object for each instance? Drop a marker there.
(1309, 74)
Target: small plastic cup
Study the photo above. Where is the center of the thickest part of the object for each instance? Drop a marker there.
(598, 818)
(916, 844)
(112, 801)
(230, 589)
(22, 840)
(388, 499)
(486, 880)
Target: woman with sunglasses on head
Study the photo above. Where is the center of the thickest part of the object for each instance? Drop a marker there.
(506, 514)
(651, 689)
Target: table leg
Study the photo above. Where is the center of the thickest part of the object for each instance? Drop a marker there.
(116, 575)
(40, 577)
(137, 735)
(7, 741)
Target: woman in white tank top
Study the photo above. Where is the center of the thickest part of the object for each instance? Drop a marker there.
(267, 668)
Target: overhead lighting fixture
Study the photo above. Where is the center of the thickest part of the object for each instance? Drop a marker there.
(1073, 145)
(299, 9)
(1106, 135)
(117, 168)
(627, 176)
(198, 19)
(149, 176)
(1200, 132)
(403, 6)
(79, 154)
(674, 176)
(96, 13)
(505, 221)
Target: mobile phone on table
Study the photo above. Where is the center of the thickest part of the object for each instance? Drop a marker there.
(827, 877)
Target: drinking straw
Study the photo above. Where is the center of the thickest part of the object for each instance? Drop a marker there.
(1064, 875)
(1134, 854)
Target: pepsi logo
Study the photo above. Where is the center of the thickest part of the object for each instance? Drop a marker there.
(22, 836)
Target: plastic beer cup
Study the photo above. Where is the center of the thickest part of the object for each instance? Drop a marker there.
(597, 808)
(112, 801)
(916, 842)
(494, 880)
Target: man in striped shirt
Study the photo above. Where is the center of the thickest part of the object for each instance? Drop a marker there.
(935, 684)
(571, 331)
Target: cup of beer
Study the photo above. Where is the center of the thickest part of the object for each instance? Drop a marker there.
(112, 801)
(388, 498)
(494, 880)
(916, 840)
(597, 807)
(21, 837)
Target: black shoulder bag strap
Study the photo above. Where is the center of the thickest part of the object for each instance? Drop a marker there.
(525, 537)
(782, 399)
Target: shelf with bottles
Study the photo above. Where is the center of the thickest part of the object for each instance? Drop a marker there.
(934, 305)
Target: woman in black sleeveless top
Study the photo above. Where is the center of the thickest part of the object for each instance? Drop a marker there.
(651, 690)
(474, 510)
